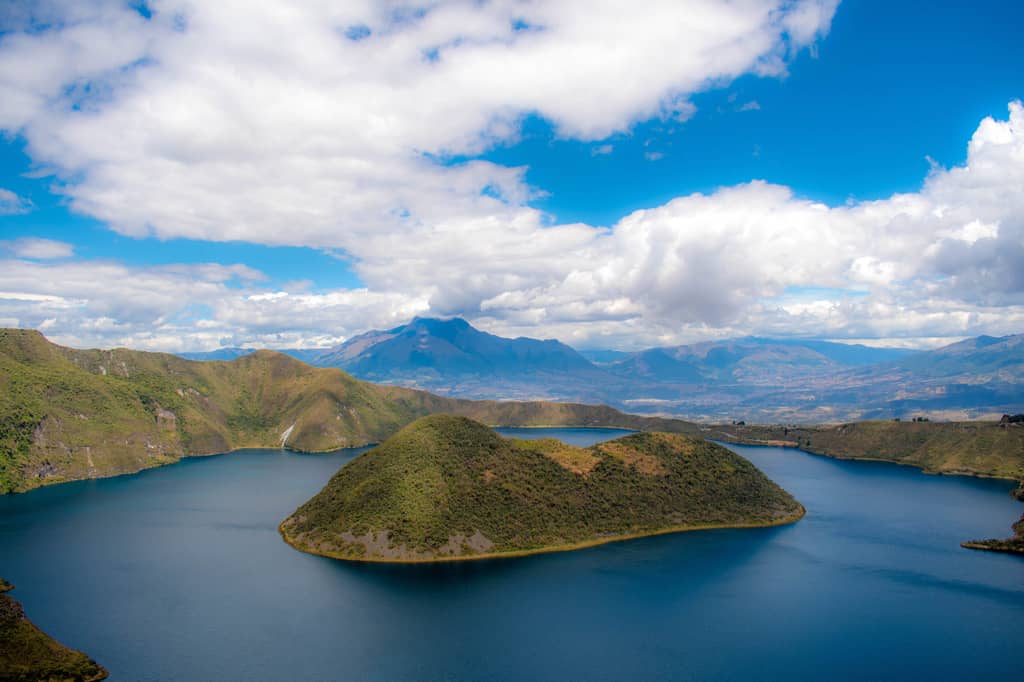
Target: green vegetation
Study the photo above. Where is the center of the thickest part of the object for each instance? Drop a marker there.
(971, 448)
(69, 414)
(446, 487)
(27, 653)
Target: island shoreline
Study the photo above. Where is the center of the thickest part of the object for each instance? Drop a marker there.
(785, 521)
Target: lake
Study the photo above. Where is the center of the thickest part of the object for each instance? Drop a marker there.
(178, 573)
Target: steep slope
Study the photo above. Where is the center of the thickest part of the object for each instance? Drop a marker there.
(28, 653)
(450, 488)
(69, 414)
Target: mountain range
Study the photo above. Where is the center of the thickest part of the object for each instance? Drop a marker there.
(751, 379)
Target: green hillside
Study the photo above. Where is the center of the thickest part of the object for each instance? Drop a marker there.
(973, 448)
(69, 414)
(447, 487)
(27, 653)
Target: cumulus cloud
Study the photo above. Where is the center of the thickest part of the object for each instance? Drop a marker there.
(337, 126)
(216, 121)
(183, 307)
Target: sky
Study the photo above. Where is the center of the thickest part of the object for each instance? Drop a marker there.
(180, 175)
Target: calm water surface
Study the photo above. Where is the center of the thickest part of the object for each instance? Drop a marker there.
(178, 574)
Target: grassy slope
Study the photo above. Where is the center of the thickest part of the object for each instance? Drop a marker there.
(447, 487)
(973, 448)
(69, 414)
(28, 653)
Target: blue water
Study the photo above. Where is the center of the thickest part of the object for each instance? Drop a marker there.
(178, 574)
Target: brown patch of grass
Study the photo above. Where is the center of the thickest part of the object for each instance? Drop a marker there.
(580, 461)
(641, 461)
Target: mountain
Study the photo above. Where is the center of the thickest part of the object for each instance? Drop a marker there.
(453, 347)
(448, 488)
(975, 376)
(750, 360)
(28, 653)
(751, 379)
(68, 414)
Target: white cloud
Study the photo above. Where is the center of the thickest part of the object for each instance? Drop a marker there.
(12, 204)
(183, 307)
(272, 126)
(214, 121)
(38, 249)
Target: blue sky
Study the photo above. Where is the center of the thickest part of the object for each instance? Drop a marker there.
(829, 111)
(891, 86)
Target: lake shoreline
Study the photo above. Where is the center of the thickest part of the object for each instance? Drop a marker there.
(596, 542)
(853, 458)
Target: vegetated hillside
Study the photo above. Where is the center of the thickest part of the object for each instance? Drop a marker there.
(28, 653)
(69, 414)
(974, 448)
(447, 487)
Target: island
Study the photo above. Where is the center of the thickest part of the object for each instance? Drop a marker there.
(447, 488)
(28, 653)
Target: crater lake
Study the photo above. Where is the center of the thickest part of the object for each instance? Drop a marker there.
(179, 573)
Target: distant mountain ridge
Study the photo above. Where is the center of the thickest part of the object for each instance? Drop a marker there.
(448, 347)
(750, 378)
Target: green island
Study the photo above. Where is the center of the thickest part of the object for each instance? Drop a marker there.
(448, 488)
(27, 653)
